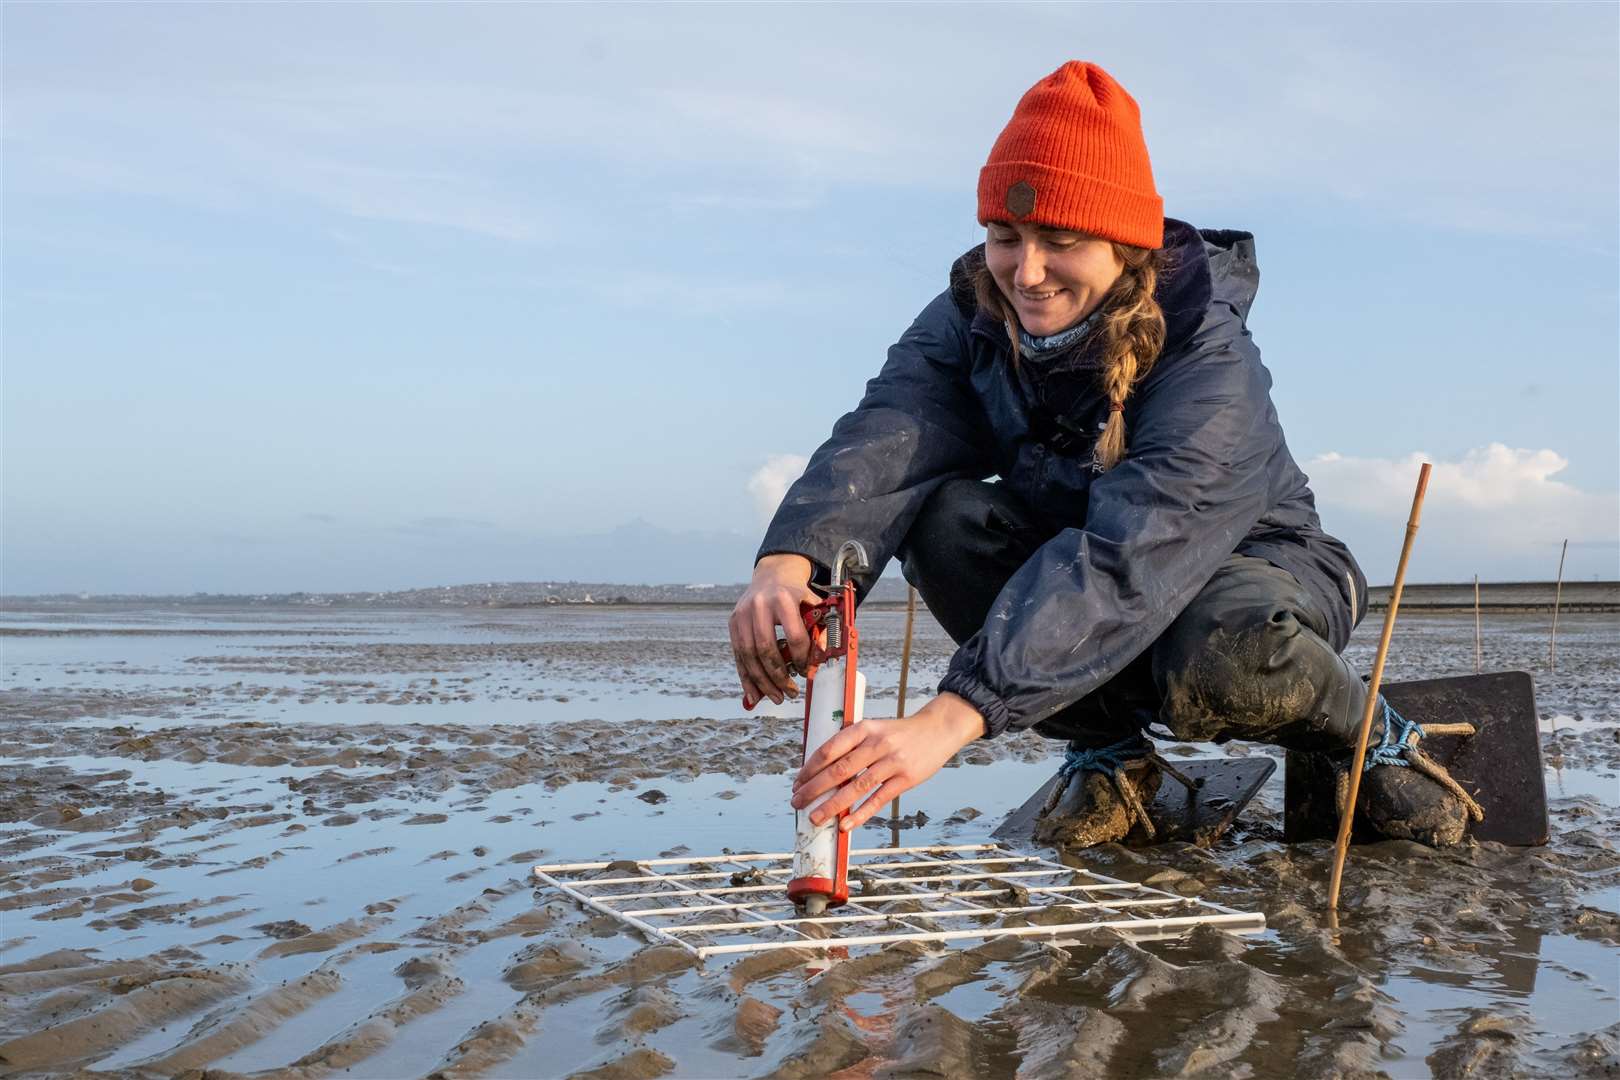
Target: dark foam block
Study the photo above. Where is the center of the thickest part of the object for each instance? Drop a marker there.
(1225, 786)
(1500, 766)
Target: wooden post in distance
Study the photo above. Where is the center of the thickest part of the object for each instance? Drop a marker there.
(1558, 596)
(1479, 652)
(900, 707)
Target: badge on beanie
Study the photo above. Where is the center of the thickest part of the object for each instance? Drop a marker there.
(1021, 199)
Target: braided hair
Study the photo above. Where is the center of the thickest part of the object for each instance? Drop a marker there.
(1133, 331)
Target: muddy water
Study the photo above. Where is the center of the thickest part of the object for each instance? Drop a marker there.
(296, 844)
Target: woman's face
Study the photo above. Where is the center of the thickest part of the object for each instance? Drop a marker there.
(1053, 277)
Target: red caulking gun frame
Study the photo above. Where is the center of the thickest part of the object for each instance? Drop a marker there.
(834, 698)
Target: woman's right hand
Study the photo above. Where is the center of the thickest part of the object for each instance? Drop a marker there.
(780, 585)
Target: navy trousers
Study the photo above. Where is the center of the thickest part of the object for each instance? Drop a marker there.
(1247, 659)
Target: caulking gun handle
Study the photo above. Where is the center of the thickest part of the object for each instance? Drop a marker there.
(787, 658)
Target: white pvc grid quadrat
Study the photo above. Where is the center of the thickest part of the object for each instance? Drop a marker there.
(737, 903)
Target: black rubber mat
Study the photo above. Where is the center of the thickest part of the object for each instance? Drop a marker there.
(1500, 766)
(1225, 786)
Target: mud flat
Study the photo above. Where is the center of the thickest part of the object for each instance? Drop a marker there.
(219, 856)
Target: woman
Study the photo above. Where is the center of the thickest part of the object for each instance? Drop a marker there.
(1150, 554)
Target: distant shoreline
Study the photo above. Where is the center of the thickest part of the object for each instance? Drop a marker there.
(1501, 597)
(1523, 596)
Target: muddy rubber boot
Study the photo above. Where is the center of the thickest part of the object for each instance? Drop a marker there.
(1404, 804)
(1089, 809)
(1398, 800)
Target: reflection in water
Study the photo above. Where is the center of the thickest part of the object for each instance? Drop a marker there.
(422, 856)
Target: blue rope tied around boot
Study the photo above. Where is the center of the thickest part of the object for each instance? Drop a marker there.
(1392, 748)
(1111, 761)
(1103, 759)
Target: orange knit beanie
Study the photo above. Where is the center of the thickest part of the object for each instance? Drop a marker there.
(1073, 157)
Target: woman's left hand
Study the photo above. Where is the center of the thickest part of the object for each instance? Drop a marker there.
(884, 758)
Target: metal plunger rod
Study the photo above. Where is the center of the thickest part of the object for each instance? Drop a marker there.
(1342, 846)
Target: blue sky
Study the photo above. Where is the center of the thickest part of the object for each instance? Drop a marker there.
(379, 296)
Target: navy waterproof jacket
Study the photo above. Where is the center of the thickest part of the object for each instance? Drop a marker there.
(1206, 473)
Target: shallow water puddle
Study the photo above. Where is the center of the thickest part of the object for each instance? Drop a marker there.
(405, 667)
(333, 833)
(1563, 985)
(368, 984)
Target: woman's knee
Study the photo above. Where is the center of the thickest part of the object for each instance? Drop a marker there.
(1240, 675)
(966, 541)
(969, 528)
(932, 546)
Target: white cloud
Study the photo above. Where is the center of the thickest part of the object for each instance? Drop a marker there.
(1498, 509)
(1492, 478)
(771, 481)
(373, 116)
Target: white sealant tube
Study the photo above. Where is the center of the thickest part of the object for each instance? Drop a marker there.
(815, 850)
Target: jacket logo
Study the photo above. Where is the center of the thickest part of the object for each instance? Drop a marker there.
(1021, 199)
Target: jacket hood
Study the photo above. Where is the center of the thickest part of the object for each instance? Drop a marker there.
(1205, 265)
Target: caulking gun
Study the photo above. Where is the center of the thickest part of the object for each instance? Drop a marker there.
(834, 698)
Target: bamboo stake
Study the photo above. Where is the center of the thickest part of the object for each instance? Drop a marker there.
(1342, 846)
(900, 709)
(1558, 596)
(1479, 653)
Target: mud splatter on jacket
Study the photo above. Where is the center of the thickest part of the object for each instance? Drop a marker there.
(1206, 473)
